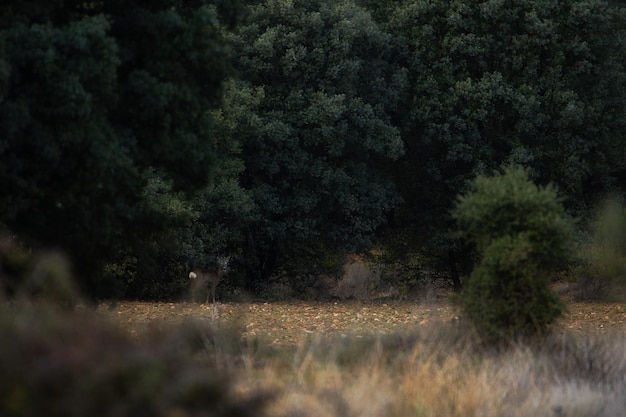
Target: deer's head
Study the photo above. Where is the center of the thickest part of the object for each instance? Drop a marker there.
(222, 264)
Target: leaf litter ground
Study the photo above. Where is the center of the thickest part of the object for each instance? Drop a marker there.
(287, 323)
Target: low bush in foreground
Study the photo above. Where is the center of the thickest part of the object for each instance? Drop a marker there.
(55, 363)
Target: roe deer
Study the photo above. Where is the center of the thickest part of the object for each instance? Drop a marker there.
(201, 278)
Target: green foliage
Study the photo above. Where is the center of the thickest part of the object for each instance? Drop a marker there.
(315, 136)
(95, 98)
(507, 295)
(522, 234)
(190, 229)
(537, 83)
(509, 204)
(526, 82)
(61, 162)
(121, 144)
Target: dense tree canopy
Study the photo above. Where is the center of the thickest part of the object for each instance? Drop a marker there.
(145, 137)
(531, 82)
(535, 83)
(93, 98)
(317, 135)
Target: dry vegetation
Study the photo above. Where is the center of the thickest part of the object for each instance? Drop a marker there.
(401, 359)
(284, 323)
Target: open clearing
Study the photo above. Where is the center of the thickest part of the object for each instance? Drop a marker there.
(285, 323)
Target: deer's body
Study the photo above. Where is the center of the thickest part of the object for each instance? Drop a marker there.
(201, 278)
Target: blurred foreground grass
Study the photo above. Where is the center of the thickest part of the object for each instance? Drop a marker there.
(195, 360)
(56, 362)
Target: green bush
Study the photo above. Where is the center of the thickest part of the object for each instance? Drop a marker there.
(507, 295)
(522, 234)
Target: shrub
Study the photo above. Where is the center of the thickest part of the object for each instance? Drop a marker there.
(602, 270)
(74, 364)
(522, 233)
(507, 295)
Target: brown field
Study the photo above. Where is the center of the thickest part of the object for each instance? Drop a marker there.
(283, 323)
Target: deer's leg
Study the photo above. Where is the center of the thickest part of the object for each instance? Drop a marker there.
(211, 293)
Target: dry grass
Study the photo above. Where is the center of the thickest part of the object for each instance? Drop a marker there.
(577, 377)
(581, 378)
(402, 359)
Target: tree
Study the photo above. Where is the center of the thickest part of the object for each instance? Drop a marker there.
(94, 99)
(535, 83)
(522, 234)
(316, 136)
